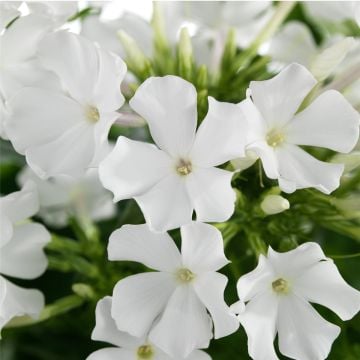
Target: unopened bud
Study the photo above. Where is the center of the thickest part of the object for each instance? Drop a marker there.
(274, 204)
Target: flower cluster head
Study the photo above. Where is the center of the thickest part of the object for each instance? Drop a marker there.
(21, 254)
(176, 306)
(278, 294)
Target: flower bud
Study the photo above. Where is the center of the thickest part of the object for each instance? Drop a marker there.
(274, 204)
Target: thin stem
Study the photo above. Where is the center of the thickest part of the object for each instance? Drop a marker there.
(347, 256)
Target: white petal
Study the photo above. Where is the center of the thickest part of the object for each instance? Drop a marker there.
(202, 247)
(329, 121)
(168, 104)
(259, 321)
(23, 255)
(184, 325)
(132, 168)
(279, 98)
(303, 170)
(27, 31)
(17, 301)
(139, 299)
(6, 229)
(166, 205)
(221, 135)
(198, 355)
(210, 289)
(303, 333)
(75, 60)
(70, 154)
(137, 243)
(106, 330)
(323, 284)
(255, 282)
(293, 263)
(112, 70)
(20, 205)
(38, 116)
(112, 354)
(267, 156)
(211, 194)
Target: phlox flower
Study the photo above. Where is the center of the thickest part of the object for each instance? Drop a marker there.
(278, 294)
(127, 347)
(171, 180)
(21, 254)
(276, 130)
(170, 306)
(62, 197)
(64, 131)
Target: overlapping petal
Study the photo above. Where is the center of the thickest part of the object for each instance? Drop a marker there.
(112, 353)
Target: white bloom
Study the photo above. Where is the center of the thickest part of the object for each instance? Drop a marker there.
(274, 204)
(127, 347)
(8, 12)
(277, 295)
(171, 180)
(61, 197)
(277, 130)
(21, 254)
(64, 133)
(170, 306)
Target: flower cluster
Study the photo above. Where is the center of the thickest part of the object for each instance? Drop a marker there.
(61, 101)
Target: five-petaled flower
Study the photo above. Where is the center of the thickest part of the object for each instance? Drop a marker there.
(178, 176)
(277, 295)
(170, 306)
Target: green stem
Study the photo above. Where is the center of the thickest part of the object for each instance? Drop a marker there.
(348, 256)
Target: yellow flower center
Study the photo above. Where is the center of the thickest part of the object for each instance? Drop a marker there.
(184, 167)
(92, 114)
(145, 352)
(280, 286)
(185, 275)
(275, 138)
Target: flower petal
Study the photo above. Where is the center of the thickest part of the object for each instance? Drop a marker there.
(279, 98)
(6, 230)
(198, 355)
(168, 104)
(267, 156)
(23, 255)
(210, 288)
(106, 330)
(17, 301)
(323, 284)
(137, 243)
(70, 154)
(259, 321)
(74, 59)
(211, 194)
(224, 125)
(38, 116)
(303, 333)
(202, 247)
(302, 170)
(255, 282)
(330, 122)
(184, 325)
(112, 354)
(132, 168)
(139, 299)
(166, 205)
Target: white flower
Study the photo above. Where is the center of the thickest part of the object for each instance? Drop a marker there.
(274, 204)
(8, 12)
(62, 197)
(277, 295)
(171, 180)
(21, 254)
(127, 347)
(64, 133)
(276, 129)
(170, 306)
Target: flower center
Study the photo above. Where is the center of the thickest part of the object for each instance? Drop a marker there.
(92, 114)
(280, 286)
(275, 138)
(185, 275)
(184, 167)
(145, 352)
